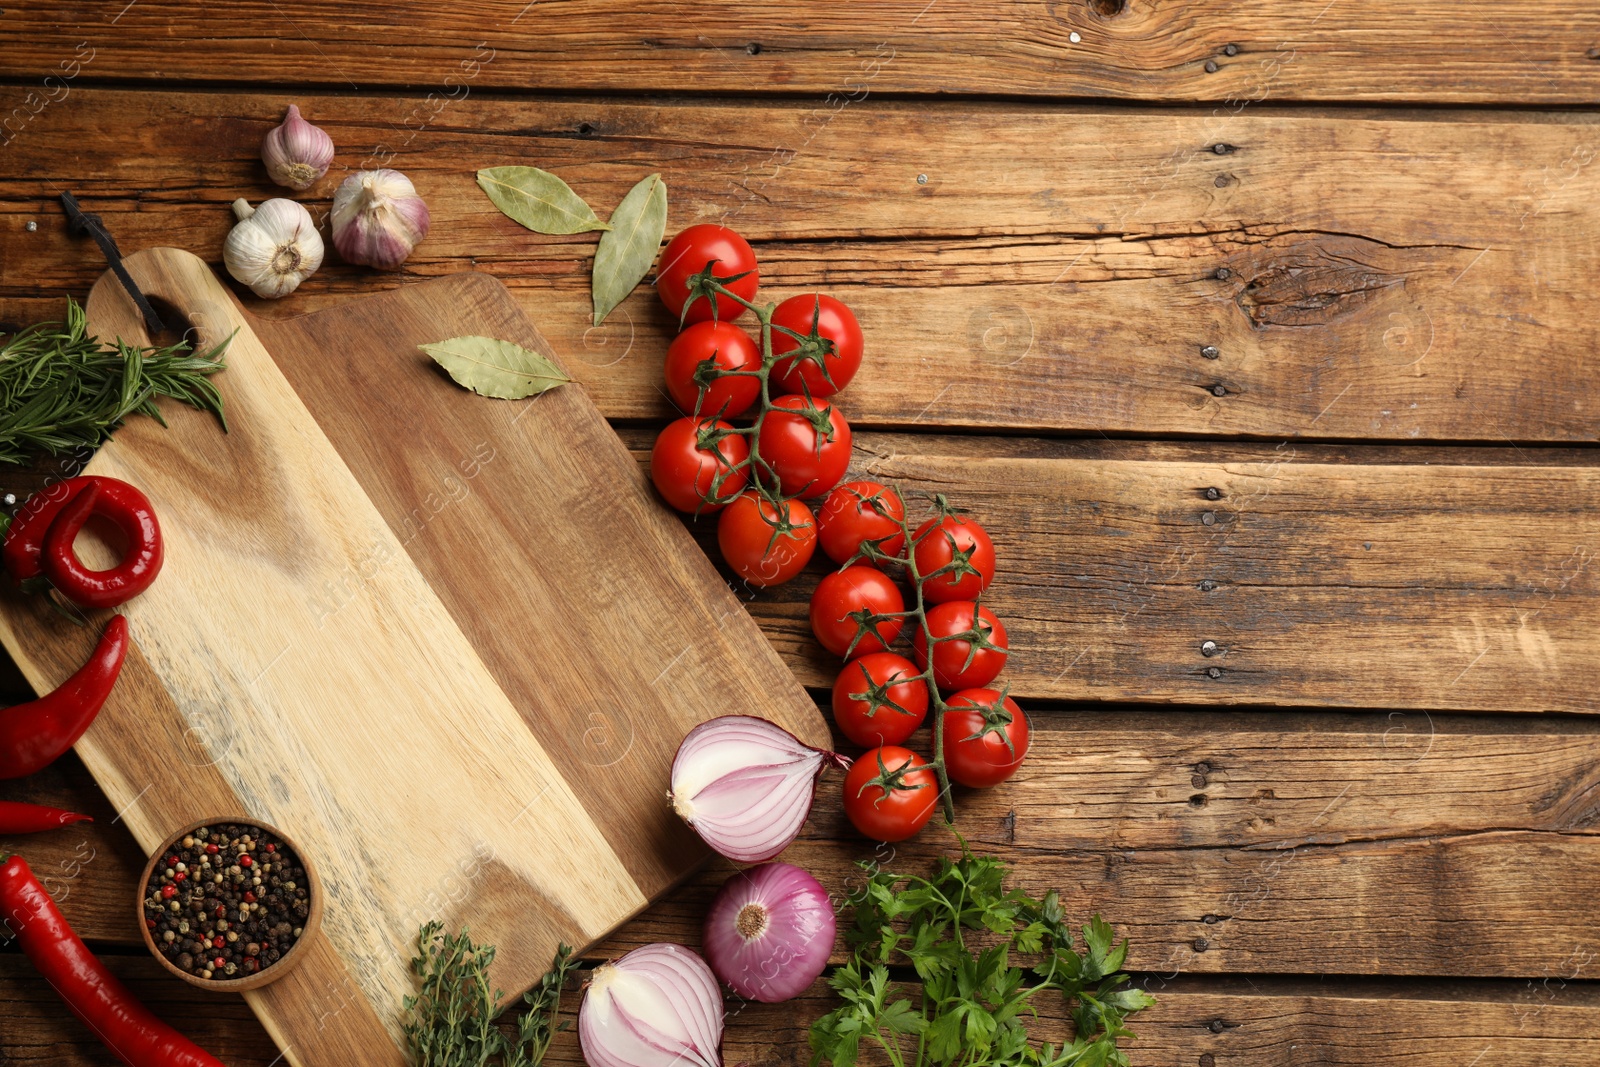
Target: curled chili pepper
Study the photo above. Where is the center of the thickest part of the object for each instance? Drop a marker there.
(34, 734)
(122, 1024)
(18, 818)
(130, 511)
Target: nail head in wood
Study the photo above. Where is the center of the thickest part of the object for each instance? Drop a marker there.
(1200, 945)
(1219, 390)
(1207, 585)
(1213, 672)
(1208, 519)
(1209, 648)
(1217, 1025)
(1230, 49)
(1223, 273)
(1211, 351)
(1213, 493)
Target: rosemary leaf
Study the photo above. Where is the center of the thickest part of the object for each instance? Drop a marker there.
(64, 390)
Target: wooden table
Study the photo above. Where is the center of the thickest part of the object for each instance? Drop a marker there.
(1260, 335)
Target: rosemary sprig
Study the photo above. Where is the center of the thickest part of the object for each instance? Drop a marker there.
(451, 1021)
(63, 390)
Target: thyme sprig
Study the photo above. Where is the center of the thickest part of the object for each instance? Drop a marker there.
(451, 1020)
(62, 389)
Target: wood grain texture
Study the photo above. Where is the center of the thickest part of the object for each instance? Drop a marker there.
(296, 664)
(1323, 580)
(1265, 1023)
(1308, 842)
(1526, 51)
(1397, 275)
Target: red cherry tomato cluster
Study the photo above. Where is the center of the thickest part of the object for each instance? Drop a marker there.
(758, 435)
(881, 698)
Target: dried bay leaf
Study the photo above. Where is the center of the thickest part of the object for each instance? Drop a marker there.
(629, 247)
(538, 199)
(496, 368)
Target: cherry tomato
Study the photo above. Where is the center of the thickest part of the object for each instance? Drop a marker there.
(687, 255)
(962, 663)
(757, 549)
(857, 512)
(687, 474)
(844, 597)
(873, 705)
(964, 547)
(720, 344)
(890, 793)
(985, 738)
(819, 368)
(808, 463)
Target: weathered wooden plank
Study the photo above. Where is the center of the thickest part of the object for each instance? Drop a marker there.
(1288, 842)
(1319, 579)
(1406, 276)
(1211, 50)
(1551, 1022)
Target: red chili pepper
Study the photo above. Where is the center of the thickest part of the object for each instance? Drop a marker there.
(129, 510)
(34, 734)
(18, 818)
(122, 1024)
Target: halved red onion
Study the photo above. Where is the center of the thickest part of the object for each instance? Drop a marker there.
(658, 1006)
(746, 784)
(769, 932)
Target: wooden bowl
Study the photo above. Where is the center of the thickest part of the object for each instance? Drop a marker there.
(297, 952)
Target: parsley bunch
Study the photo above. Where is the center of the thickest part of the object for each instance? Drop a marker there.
(961, 931)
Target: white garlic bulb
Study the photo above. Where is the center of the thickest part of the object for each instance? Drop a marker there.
(378, 218)
(296, 153)
(272, 248)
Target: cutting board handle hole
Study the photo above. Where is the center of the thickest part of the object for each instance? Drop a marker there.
(178, 325)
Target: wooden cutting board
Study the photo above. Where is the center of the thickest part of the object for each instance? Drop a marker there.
(448, 643)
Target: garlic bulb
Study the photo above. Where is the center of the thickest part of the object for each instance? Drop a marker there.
(272, 248)
(378, 218)
(296, 153)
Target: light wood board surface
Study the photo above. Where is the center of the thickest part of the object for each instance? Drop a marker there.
(456, 677)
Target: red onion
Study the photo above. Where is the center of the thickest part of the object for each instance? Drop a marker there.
(658, 1006)
(769, 932)
(745, 785)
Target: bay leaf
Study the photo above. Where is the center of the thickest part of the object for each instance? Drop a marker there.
(538, 199)
(629, 247)
(495, 368)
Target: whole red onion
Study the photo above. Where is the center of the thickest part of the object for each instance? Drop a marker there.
(769, 932)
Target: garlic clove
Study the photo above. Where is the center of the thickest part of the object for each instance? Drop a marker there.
(296, 152)
(378, 218)
(272, 248)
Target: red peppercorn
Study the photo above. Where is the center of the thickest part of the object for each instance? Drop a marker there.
(218, 942)
(213, 849)
(220, 962)
(271, 847)
(249, 897)
(168, 892)
(222, 911)
(169, 861)
(150, 924)
(181, 876)
(250, 966)
(245, 861)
